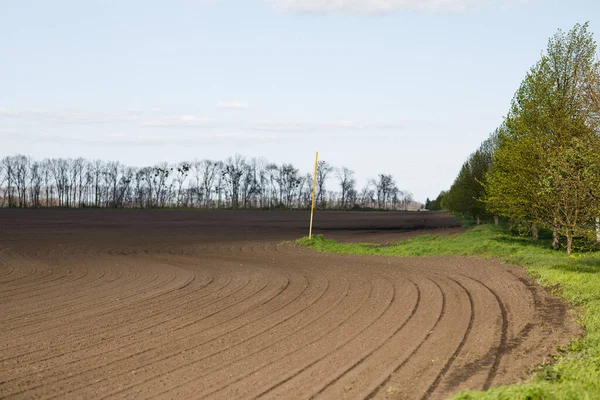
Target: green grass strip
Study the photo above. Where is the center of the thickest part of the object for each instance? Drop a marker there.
(575, 374)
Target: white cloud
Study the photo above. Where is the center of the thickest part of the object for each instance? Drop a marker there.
(126, 139)
(70, 116)
(179, 121)
(281, 126)
(311, 126)
(5, 112)
(183, 140)
(137, 118)
(380, 6)
(233, 105)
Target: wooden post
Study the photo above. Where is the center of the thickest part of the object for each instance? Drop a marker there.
(312, 208)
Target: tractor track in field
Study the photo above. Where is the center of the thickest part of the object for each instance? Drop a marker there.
(150, 304)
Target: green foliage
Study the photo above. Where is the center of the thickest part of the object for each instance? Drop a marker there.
(546, 169)
(466, 195)
(541, 168)
(576, 372)
(435, 205)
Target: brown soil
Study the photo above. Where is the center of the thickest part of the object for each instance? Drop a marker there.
(187, 304)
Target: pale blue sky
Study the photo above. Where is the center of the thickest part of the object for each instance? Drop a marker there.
(407, 87)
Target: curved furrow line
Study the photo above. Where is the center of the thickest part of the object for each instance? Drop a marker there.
(322, 355)
(319, 316)
(409, 320)
(147, 363)
(413, 312)
(503, 335)
(194, 322)
(248, 249)
(117, 326)
(74, 385)
(75, 343)
(139, 289)
(110, 279)
(129, 333)
(110, 290)
(246, 354)
(38, 276)
(63, 274)
(412, 347)
(10, 275)
(24, 271)
(34, 285)
(91, 292)
(43, 351)
(362, 359)
(260, 248)
(169, 309)
(242, 340)
(5, 268)
(72, 285)
(243, 248)
(287, 318)
(4, 249)
(444, 370)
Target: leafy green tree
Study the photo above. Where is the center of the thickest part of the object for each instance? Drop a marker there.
(545, 169)
(467, 194)
(435, 205)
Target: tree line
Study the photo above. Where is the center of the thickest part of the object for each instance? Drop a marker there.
(235, 183)
(541, 168)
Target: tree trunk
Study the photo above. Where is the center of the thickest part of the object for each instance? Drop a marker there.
(534, 231)
(555, 238)
(496, 220)
(569, 242)
(598, 230)
(478, 221)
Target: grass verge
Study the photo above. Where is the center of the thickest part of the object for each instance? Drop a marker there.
(575, 374)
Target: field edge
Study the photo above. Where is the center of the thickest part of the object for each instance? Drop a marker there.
(575, 371)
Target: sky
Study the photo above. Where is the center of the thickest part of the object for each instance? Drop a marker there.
(402, 87)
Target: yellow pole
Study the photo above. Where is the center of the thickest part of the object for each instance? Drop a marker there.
(312, 209)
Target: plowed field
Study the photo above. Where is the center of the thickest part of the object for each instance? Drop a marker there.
(178, 304)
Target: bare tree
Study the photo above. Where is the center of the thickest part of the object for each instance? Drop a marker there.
(323, 171)
(46, 173)
(289, 181)
(123, 193)
(251, 187)
(385, 186)
(182, 171)
(232, 173)
(219, 189)
(3, 179)
(35, 184)
(347, 182)
(9, 168)
(366, 198)
(21, 172)
(60, 170)
(272, 172)
(161, 184)
(263, 182)
(76, 178)
(237, 183)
